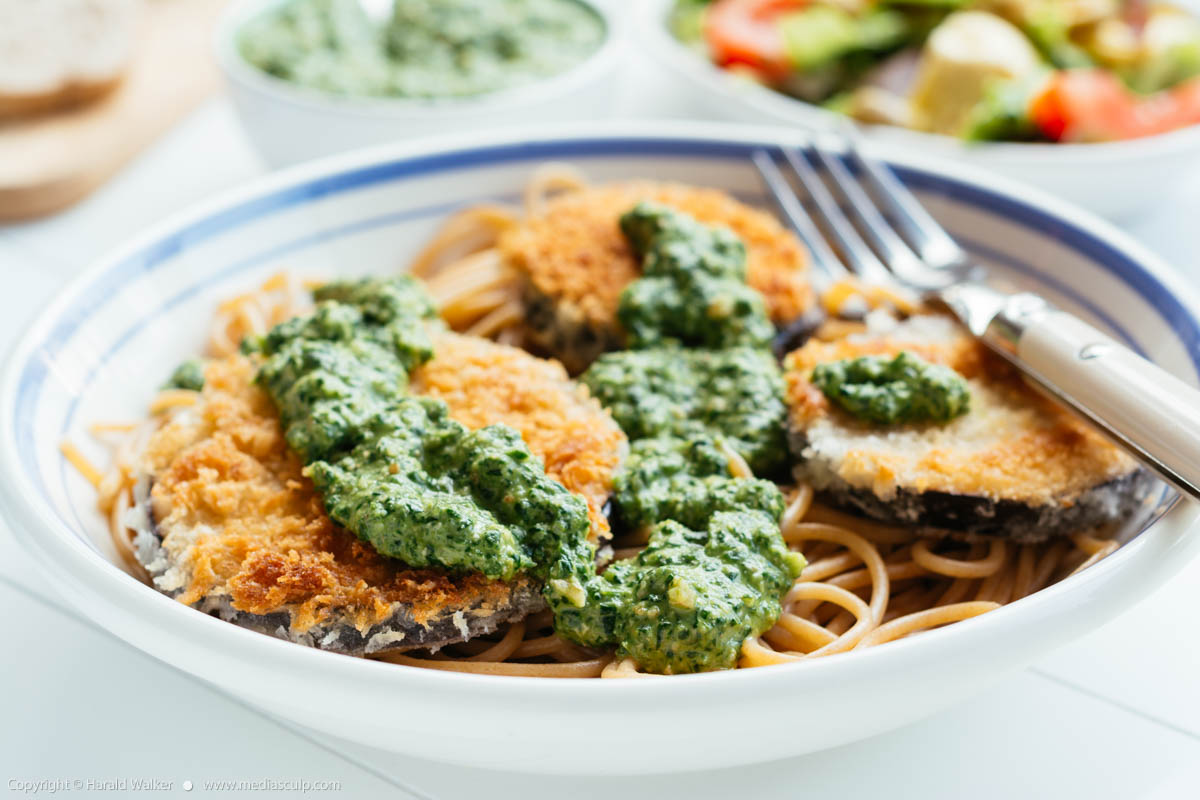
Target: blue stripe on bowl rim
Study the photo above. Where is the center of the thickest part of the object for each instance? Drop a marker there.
(89, 299)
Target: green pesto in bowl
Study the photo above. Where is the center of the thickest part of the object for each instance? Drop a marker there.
(426, 49)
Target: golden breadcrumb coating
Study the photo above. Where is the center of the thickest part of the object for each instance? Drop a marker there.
(485, 383)
(1013, 444)
(574, 251)
(241, 519)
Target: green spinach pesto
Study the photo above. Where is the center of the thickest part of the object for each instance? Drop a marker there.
(686, 480)
(711, 575)
(188, 375)
(891, 391)
(693, 291)
(334, 371)
(691, 597)
(422, 488)
(715, 567)
(736, 393)
(427, 49)
(395, 469)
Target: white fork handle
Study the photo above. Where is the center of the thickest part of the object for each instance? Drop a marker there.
(1153, 413)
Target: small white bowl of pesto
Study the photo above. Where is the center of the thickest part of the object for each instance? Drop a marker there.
(315, 77)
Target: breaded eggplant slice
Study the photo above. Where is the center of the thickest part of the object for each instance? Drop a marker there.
(1015, 465)
(575, 262)
(230, 525)
(485, 383)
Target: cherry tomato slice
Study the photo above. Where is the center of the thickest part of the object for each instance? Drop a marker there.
(747, 33)
(1092, 105)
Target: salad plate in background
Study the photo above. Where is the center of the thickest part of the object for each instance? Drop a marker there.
(1096, 102)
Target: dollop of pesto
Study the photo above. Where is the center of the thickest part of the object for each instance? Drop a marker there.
(735, 393)
(422, 488)
(332, 372)
(691, 597)
(686, 480)
(712, 573)
(693, 291)
(427, 49)
(188, 375)
(697, 384)
(891, 391)
(395, 469)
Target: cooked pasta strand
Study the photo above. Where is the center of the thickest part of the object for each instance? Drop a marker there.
(468, 231)
(504, 648)
(81, 464)
(795, 531)
(923, 620)
(576, 669)
(956, 568)
(547, 180)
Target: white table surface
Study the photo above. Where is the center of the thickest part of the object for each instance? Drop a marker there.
(1113, 715)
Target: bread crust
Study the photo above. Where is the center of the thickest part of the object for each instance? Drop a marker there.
(70, 95)
(62, 54)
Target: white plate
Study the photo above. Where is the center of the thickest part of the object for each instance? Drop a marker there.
(1116, 179)
(107, 342)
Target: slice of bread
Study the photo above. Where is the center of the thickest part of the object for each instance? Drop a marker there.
(56, 53)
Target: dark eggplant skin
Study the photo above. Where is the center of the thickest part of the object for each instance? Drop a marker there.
(345, 638)
(946, 515)
(560, 330)
(447, 627)
(793, 335)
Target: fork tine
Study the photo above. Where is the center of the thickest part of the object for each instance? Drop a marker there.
(897, 256)
(861, 259)
(824, 259)
(930, 241)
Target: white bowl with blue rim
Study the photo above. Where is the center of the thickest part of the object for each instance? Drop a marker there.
(102, 348)
(288, 123)
(1115, 179)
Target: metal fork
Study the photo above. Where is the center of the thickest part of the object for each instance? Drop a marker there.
(1152, 414)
